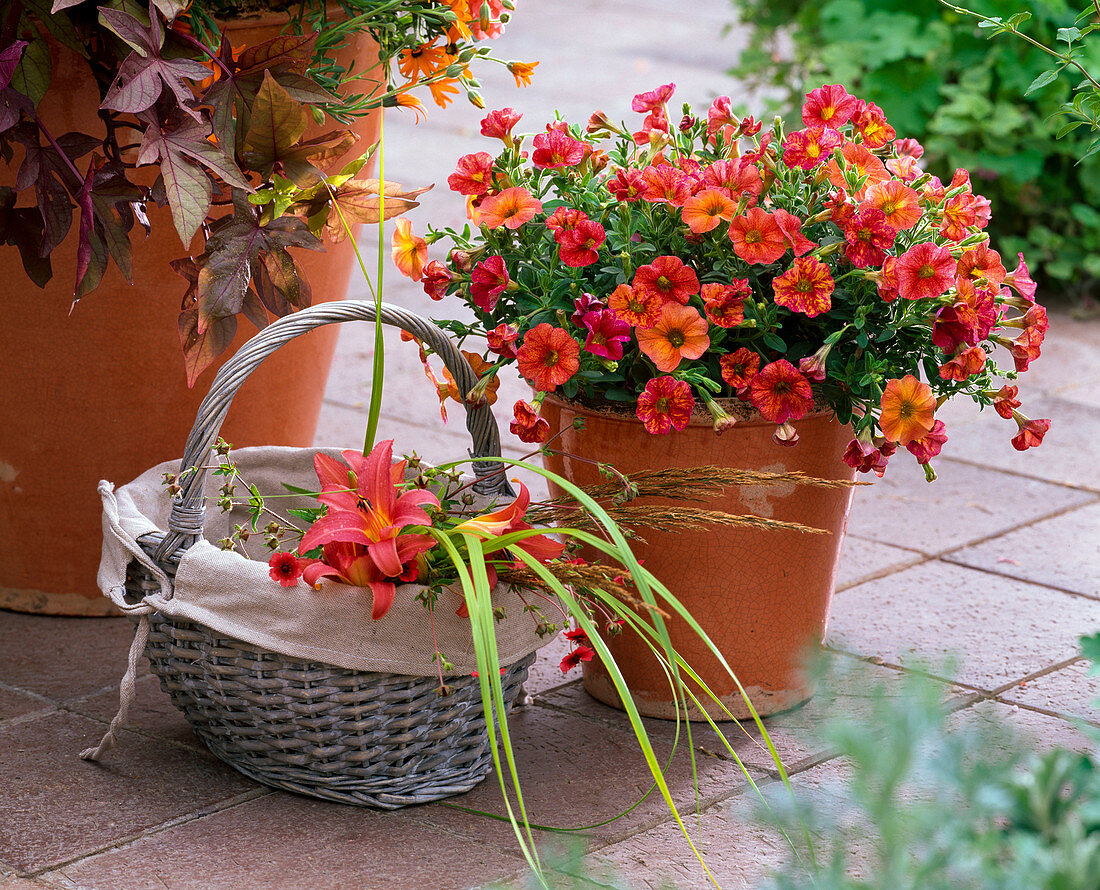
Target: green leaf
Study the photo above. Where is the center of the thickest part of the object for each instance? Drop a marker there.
(1068, 35)
(1090, 648)
(774, 341)
(32, 76)
(1042, 80)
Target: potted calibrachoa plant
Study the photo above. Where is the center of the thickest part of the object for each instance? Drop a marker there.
(171, 168)
(702, 290)
(343, 624)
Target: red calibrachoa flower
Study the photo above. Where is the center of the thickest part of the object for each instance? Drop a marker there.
(627, 185)
(474, 174)
(810, 147)
(527, 425)
(924, 271)
(665, 184)
(510, 208)
(1019, 279)
(706, 209)
(862, 163)
(665, 405)
(584, 304)
(869, 236)
(668, 278)
(1005, 402)
(898, 203)
(756, 237)
(724, 304)
(964, 365)
(829, 106)
(908, 409)
(555, 149)
(1030, 433)
(739, 367)
(502, 340)
(435, 278)
(680, 332)
(488, 281)
(780, 392)
(929, 445)
(1025, 348)
(959, 214)
(638, 307)
(865, 457)
(499, 125)
(806, 287)
(548, 357)
(606, 334)
(285, 568)
(981, 262)
(870, 120)
(580, 246)
(581, 650)
(654, 99)
(791, 227)
(737, 177)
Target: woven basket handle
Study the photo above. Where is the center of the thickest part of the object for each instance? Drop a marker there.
(188, 511)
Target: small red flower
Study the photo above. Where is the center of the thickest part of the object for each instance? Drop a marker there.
(924, 271)
(981, 262)
(870, 120)
(580, 246)
(780, 392)
(527, 425)
(665, 405)
(756, 237)
(435, 278)
(724, 304)
(1005, 402)
(929, 445)
(866, 458)
(488, 281)
(626, 185)
(606, 334)
(806, 287)
(829, 106)
(720, 117)
(810, 147)
(575, 657)
(474, 174)
(652, 99)
(959, 214)
(548, 357)
(1019, 279)
(668, 278)
(1031, 432)
(739, 367)
(556, 148)
(284, 568)
(737, 177)
(665, 184)
(1026, 348)
(791, 227)
(636, 306)
(502, 340)
(869, 236)
(964, 365)
(564, 220)
(499, 124)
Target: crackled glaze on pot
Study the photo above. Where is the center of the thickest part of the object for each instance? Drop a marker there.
(763, 597)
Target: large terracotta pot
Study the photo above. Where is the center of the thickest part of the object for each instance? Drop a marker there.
(763, 597)
(101, 393)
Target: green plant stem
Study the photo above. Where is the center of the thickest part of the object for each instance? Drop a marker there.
(379, 367)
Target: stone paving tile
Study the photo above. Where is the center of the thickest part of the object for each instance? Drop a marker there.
(1072, 691)
(62, 658)
(575, 773)
(861, 559)
(958, 508)
(999, 628)
(545, 673)
(152, 712)
(1062, 458)
(1062, 552)
(1038, 732)
(17, 883)
(53, 805)
(14, 704)
(284, 841)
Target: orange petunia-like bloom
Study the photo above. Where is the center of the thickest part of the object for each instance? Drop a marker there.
(724, 304)
(635, 306)
(665, 405)
(806, 287)
(410, 252)
(981, 262)
(668, 278)
(680, 332)
(511, 208)
(908, 410)
(548, 357)
(780, 392)
(924, 271)
(473, 175)
(705, 210)
(756, 237)
(899, 202)
(739, 367)
(859, 158)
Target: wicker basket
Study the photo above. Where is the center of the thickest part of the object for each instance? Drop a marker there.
(370, 739)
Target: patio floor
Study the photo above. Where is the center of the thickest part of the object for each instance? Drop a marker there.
(998, 563)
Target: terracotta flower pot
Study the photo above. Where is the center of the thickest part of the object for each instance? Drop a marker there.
(102, 394)
(763, 597)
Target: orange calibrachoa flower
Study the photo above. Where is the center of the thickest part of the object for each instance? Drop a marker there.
(924, 271)
(899, 203)
(665, 405)
(810, 147)
(410, 252)
(739, 367)
(908, 409)
(548, 357)
(806, 287)
(510, 208)
(780, 392)
(680, 332)
(724, 304)
(706, 209)
(757, 237)
(858, 158)
(668, 278)
(635, 306)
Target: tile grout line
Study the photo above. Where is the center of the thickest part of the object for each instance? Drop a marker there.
(1001, 574)
(134, 837)
(1020, 475)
